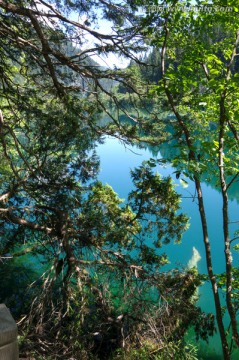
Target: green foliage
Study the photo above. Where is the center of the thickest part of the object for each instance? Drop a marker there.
(235, 285)
(156, 202)
(176, 350)
(199, 68)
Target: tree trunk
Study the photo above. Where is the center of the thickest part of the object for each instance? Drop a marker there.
(227, 243)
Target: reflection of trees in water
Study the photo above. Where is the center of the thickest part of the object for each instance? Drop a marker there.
(171, 150)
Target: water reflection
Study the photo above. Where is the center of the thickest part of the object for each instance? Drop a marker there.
(209, 176)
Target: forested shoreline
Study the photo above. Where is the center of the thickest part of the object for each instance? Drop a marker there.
(82, 271)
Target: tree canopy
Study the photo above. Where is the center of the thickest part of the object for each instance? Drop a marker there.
(199, 79)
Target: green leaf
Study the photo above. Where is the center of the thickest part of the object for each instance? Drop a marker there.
(214, 72)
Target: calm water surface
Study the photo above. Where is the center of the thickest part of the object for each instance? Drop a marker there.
(116, 162)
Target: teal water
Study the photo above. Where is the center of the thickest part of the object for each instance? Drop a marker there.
(116, 162)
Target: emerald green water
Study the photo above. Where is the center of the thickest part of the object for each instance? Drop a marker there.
(116, 162)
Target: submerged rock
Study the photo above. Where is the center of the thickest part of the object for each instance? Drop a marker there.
(196, 257)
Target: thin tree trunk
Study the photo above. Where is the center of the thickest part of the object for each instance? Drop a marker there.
(219, 315)
(227, 243)
(223, 121)
(192, 157)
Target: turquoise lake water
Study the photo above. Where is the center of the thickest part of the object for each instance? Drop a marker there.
(116, 162)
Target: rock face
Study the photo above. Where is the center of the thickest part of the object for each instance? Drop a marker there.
(8, 335)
